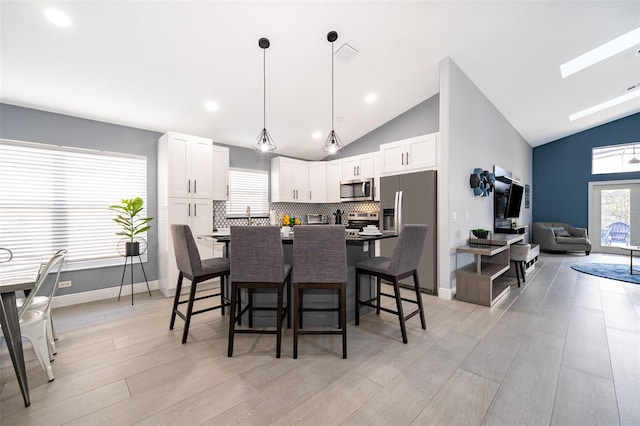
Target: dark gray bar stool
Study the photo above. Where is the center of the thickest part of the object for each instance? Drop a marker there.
(403, 263)
(319, 262)
(257, 262)
(196, 270)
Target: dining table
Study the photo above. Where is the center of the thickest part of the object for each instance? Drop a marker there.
(12, 280)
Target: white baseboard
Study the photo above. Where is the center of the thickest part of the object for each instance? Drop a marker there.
(104, 293)
(445, 293)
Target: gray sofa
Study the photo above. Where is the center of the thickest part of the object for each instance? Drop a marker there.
(560, 237)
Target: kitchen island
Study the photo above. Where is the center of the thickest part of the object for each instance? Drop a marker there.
(358, 248)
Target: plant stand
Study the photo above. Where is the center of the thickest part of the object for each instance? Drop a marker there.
(130, 250)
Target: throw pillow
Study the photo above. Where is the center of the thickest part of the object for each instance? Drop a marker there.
(560, 232)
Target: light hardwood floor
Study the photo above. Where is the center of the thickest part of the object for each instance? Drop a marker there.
(563, 349)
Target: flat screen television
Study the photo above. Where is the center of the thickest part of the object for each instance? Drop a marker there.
(514, 201)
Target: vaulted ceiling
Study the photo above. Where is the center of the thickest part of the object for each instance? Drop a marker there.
(153, 65)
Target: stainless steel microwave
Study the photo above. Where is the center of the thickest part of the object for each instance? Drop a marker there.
(356, 190)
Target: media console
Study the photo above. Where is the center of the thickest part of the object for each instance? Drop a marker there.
(480, 282)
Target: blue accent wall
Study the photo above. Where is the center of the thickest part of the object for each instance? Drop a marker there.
(562, 171)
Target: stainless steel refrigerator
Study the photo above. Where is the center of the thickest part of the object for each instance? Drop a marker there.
(410, 199)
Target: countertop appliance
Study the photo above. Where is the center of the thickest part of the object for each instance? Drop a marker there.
(411, 199)
(317, 219)
(356, 190)
(359, 220)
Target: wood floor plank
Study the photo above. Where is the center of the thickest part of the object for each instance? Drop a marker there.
(624, 348)
(404, 397)
(70, 408)
(527, 392)
(463, 400)
(584, 398)
(332, 405)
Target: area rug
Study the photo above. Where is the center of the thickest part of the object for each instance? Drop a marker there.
(612, 271)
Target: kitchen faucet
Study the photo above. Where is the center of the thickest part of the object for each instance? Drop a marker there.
(248, 215)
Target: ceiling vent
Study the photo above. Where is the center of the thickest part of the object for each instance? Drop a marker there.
(346, 53)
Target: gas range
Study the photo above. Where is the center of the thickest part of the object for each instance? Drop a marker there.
(358, 220)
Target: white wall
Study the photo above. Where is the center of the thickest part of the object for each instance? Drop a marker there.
(473, 133)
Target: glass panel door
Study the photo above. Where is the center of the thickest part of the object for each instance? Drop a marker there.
(614, 216)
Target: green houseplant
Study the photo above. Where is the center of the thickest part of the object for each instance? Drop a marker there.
(128, 211)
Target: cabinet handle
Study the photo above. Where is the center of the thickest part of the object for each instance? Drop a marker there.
(195, 186)
(358, 170)
(310, 197)
(407, 158)
(195, 209)
(189, 210)
(402, 163)
(227, 190)
(294, 194)
(189, 186)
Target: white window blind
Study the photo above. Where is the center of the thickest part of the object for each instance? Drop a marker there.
(56, 197)
(248, 188)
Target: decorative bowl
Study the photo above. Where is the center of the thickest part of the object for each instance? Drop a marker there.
(480, 233)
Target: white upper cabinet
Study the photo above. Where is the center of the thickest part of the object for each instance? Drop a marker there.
(409, 155)
(357, 167)
(334, 176)
(317, 181)
(220, 173)
(376, 176)
(289, 180)
(189, 168)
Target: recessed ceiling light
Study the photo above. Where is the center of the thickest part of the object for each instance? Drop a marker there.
(601, 53)
(371, 98)
(57, 17)
(316, 135)
(604, 105)
(211, 105)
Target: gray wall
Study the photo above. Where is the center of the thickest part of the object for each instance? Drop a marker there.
(422, 119)
(31, 125)
(473, 134)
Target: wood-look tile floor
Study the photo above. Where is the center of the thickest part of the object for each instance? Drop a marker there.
(563, 349)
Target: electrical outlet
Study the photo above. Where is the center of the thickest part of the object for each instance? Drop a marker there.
(64, 284)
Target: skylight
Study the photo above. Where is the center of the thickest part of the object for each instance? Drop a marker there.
(604, 105)
(601, 53)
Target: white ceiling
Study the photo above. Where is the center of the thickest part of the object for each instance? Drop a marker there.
(152, 65)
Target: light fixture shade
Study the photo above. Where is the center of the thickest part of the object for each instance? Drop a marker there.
(332, 144)
(264, 143)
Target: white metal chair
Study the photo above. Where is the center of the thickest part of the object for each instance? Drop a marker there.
(42, 301)
(33, 322)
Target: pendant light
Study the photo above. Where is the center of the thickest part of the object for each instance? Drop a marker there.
(264, 142)
(333, 143)
(634, 160)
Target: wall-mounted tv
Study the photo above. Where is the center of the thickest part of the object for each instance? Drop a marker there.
(514, 201)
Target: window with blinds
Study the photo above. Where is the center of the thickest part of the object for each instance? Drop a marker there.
(56, 197)
(248, 188)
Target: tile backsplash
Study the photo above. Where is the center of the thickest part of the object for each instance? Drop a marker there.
(297, 210)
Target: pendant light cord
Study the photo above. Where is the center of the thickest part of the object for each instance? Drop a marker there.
(264, 88)
(332, 116)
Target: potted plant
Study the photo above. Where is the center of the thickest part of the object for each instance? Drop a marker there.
(480, 233)
(128, 211)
